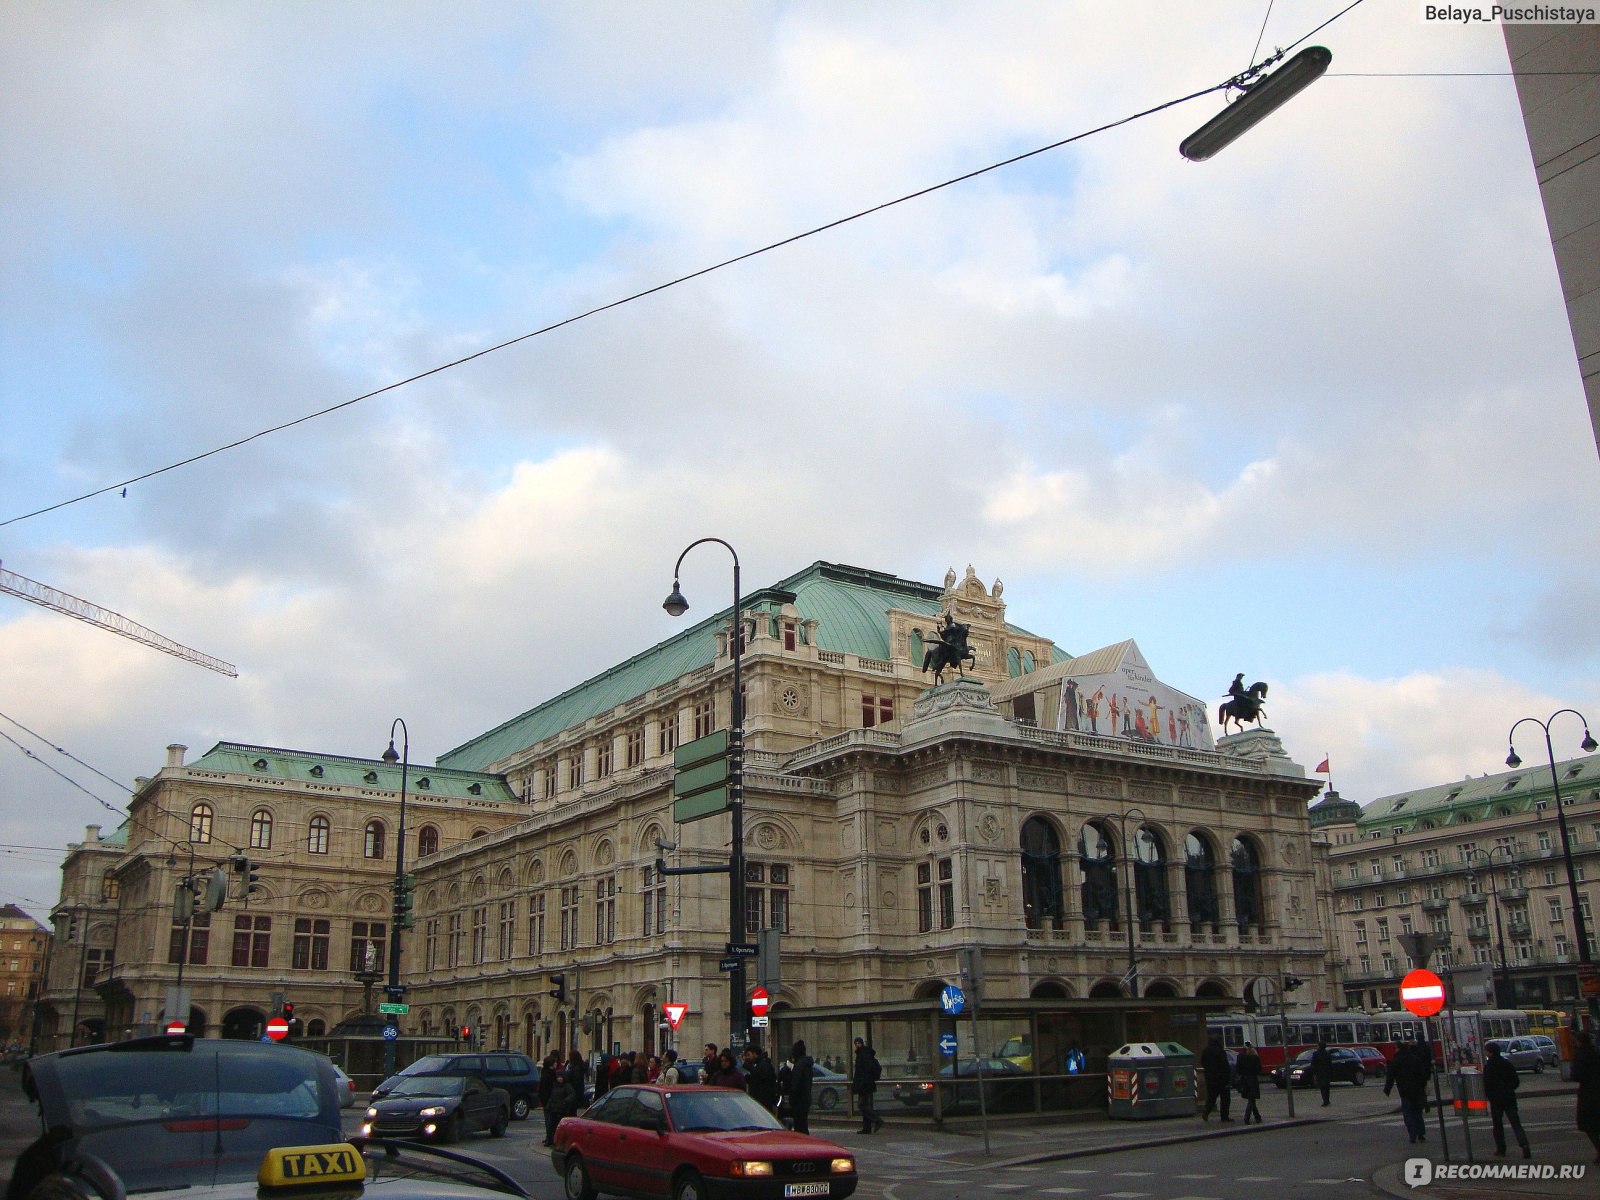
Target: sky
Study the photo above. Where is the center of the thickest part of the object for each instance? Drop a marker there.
(1309, 410)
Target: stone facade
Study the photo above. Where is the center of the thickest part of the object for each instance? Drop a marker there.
(24, 947)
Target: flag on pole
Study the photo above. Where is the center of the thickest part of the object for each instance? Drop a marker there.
(1322, 768)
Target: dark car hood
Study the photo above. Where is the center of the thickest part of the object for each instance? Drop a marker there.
(400, 1104)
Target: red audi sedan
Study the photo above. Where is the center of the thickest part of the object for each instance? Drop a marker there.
(694, 1143)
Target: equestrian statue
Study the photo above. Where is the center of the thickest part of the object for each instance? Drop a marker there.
(951, 650)
(1244, 704)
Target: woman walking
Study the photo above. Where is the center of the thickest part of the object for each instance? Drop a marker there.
(1248, 1069)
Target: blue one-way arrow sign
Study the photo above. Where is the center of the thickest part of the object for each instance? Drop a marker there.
(947, 1044)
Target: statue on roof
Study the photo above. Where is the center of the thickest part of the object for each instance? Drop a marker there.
(951, 650)
(1243, 704)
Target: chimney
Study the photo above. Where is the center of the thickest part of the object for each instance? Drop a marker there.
(175, 755)
(91, 833)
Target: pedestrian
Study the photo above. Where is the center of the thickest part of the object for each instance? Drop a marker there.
(1409, 1072)
(1322, 1070)
(726, 1075)
(652, 1071)
(708, 1062)
(563, 1103)
(671, 1073)
(602, 1077)
(1586, 1074)
(640, 1072)
(1248, 1069)
(761, 1078)
(547, 1077)
(578, 1070)
(864, 1076)
(1214, 1064)
(799, 1087)
(1500, 1090)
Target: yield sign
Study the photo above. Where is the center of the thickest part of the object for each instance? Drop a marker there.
(674, 1013)
(277, 1029)
(1422, 993)
(758, 1002)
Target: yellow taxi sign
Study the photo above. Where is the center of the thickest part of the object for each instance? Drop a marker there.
(297, 1166)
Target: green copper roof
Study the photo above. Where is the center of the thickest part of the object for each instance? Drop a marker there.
(306, 766)
(847, 603)
(1475, 799)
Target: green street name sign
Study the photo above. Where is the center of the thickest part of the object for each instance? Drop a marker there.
(702, 780)
(397, 1009)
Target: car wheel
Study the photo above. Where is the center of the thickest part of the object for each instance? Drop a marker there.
(451, 1133)
(576, 1180)
(1538, 1066)
(520, 1108)
(828, 1099)
(501, 1121)
(689, 1186)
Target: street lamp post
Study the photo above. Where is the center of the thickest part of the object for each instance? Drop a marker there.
(1580, 926)
(394, 990)
(676, 605)
(1128, 889)
(1503, 997)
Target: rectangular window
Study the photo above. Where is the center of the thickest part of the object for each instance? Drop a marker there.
(947, 894)
(1405, 922)
(1361, 933)
(508, 927)
(1383, 929)
(1403, 896)
(1399, 864)
(703, 717)
(766, 907)
(1430, 858)
(667, 735)
(95, 962)
(480, 934)
(453, 941)
(605, 910)
(1355, 871)
(1377, 869)
(310, 949)
(1441, 923)
(252, 941)
(199, 940)
(603, 756)
(1549, 876)
(1555, 909)
(536, 924)
(635, 745)
(569, 917)
(430, 944)
(376, 935)
(1544, 839)
(876, 710)
(575, 770)
(924, 897)
(655, 902)
(790, 635)
(549, 769)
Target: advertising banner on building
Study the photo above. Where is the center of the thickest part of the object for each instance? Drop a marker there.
(1129, 701)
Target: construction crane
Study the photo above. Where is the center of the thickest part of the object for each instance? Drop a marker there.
(64, 602)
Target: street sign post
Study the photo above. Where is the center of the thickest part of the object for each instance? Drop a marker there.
(947, 1044)
(953, 1000)
(729, 964)
(741, 949)
(702, 779)
(398, 1010)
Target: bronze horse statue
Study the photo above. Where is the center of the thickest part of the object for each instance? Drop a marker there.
(1245, 705)
(951, 650)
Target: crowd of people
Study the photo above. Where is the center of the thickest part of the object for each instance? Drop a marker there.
(784, 1089)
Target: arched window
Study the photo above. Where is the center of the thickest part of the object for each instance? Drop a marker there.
(317, 837)
(374, 841)
(109, 886)
(200, 817)
(1150, 880)
(1027, 662)
(1200, 881)
(1014, 662)
(261, 830)
(1098, 861)
(1041, 875)
(1246, 883)
(427, 840)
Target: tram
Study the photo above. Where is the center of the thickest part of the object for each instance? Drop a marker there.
(1277, 1040)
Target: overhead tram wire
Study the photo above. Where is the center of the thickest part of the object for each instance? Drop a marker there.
(639, 295)
(63, 750)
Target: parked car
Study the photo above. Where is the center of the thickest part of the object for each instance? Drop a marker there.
(516, 1074)
(828, 1088)
(172, 1112)
(438, 1108)
(346, 1086)
(1548, 1051)
(1006, 1086)
(1346, 1066)
(1521, 1052)
(691, 1143)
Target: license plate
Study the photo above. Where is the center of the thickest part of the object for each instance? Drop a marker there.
(805, 1189)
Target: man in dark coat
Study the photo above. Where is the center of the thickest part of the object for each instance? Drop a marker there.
(1500, 1090)
(864, 1076)
(1214, 1064)
(1248, 1071)
(761, 1078)
(1322, 1070)
(1409, 1072)
(798, 1087)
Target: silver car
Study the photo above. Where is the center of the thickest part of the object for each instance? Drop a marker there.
(1521, 1052)
(1547, 1048)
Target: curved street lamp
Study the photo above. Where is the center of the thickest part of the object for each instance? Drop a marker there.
(1580, 926)
(1127, 887)
(676, 605)
(1503, 993)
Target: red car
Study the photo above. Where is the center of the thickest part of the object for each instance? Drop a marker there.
(694, 1143)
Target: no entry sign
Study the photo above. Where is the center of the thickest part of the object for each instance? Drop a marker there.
(758, 1002)
(1422, 993)
(277, 1029)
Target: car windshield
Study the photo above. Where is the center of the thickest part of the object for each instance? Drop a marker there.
(427, 1064)
(430, 1085)
(715, 1110)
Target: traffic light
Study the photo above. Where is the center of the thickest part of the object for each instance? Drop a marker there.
(72, 925)
(249, 878)
(405, 901)
(288, 1012)
(1291, 982)
(558, 987)
(182, 906)
(466, 1035)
